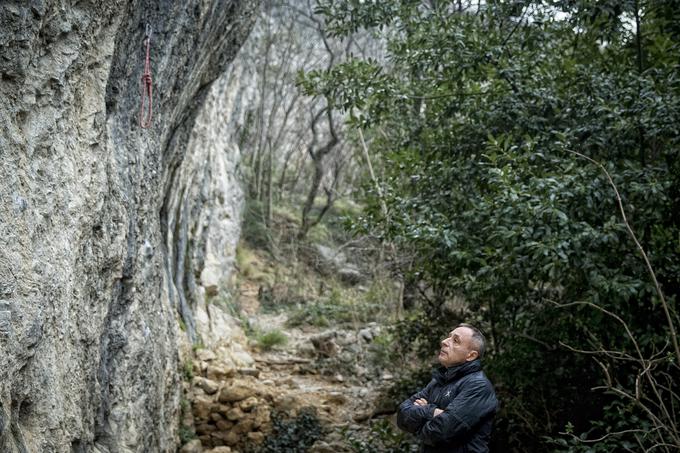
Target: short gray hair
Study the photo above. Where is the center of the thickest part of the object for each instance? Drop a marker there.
(478, 340)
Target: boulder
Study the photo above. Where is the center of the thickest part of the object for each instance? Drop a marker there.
(205, 355)
(220, 371)
(202, 406)
(336, 398)
(234, 393)
(255, 437)
(351, 275)
(325, 344)
(248, 404)
(244, 426)
(207, 385)
(234, 414)
(366, 334)
(224, 425)
(329, 258)
(205, 428)
(231, 438)
(220, 449)
(249, 372)
(206, 440)
(261, 416)
(193, 446)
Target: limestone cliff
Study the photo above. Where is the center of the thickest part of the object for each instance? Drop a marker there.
(109, 231)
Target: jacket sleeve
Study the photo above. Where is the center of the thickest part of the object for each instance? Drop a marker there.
(412, 417)
(475, 402)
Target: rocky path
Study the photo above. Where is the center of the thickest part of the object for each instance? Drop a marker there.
(314, 369)
(232, 404)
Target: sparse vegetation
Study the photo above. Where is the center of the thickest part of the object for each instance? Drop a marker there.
(186, 434)
(188, 370)
(271, 339)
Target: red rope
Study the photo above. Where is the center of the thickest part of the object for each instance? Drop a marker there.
(147, 90)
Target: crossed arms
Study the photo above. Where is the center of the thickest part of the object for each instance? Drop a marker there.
(453, 423)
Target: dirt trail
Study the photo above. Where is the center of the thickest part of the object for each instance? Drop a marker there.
(293, 367)
(324, 370)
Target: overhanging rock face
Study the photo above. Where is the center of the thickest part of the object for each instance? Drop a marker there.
(102, 241)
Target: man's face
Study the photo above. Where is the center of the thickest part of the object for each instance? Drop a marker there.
(457, 348)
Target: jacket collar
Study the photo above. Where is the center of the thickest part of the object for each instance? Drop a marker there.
(446, 375)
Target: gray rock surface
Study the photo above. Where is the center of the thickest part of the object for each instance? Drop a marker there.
(107, 231)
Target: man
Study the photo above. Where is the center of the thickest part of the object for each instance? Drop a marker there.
(454, 412)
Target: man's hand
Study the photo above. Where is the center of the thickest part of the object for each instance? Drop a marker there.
(423, 402)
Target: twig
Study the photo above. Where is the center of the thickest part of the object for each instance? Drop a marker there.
(607, 312)
(600, 439)
(645, 365)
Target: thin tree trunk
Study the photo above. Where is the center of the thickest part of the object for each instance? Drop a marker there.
(639, 58)
(299, 167)
(257, 174)
(311, 197)
(268, 192)
(318, 159)
(285, 166)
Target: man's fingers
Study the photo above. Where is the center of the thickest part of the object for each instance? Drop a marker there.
(420, 402)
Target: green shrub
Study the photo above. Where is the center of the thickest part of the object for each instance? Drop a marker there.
(184, 405)
(293, 435)
(188, 370)
(186, 434)
(271, 339)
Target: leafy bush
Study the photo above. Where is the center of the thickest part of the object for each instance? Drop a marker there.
(293, 435)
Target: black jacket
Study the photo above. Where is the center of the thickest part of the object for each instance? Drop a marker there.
(469, 403)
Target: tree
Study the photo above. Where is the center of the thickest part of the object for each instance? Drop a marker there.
(295, 144)
(477, 115)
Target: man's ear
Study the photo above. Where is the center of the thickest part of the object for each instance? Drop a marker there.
(472, 355)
